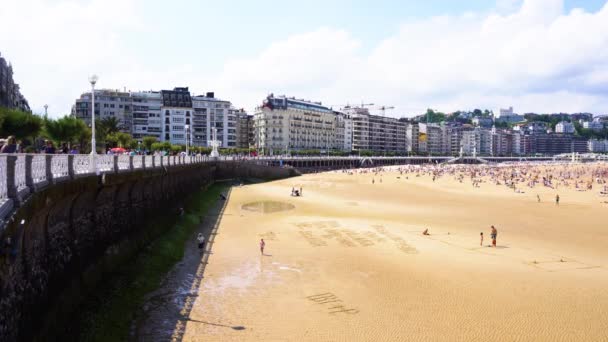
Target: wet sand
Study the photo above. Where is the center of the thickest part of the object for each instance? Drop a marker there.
(347, 262)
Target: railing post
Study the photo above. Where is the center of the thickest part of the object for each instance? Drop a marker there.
(153, 161)
(29, 179)
(71, 172)
(130, 163)
(161, 161)
(115, 164)
(143, 162)
(48, 167)
(11, 187)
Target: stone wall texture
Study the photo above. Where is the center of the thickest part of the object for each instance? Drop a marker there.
(61, 231)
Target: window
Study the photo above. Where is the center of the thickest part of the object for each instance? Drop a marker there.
(119, 106)
(177, 128)
(180, 120)
(111, 105)
(178, 136)
(105, 105)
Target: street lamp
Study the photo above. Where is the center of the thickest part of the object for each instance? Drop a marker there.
(46, 107)
(93, 80)
(187, 139)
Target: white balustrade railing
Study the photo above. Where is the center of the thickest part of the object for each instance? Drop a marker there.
(82, 163)
(124, 162)
(59, 166)
(20, 182)
(138, 162)
(148, 161)
(38, 168)
(3, 179)
(105, 163)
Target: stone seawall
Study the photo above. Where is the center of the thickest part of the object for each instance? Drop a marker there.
(62, 232)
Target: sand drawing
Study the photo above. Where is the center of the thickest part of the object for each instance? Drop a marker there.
(334, 304)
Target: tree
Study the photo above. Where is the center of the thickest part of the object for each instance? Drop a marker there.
(109, 125)
(20, 124)
(119, 138)
(148, 142)
(67, 130)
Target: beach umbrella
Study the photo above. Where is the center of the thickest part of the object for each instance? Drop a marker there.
(118, 150)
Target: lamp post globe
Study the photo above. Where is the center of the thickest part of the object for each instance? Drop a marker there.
(93, 80)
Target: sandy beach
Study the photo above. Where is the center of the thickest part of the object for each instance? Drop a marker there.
(347, 261)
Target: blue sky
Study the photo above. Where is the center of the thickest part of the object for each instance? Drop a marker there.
(537, 55)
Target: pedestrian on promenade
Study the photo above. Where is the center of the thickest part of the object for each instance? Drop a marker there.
(201, 242)
(493, 235)
(49, 148)
(262, 245)
(10, 146)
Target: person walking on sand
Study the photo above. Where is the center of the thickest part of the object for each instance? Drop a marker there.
(481, 239)
(556, 199)
(201, 242)
(262, 245)
(538, 198)
(493, 235)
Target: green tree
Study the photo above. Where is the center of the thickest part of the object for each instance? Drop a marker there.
(109, 125)
(119, 139)
(148, 142)
(67, 130)
(20, 124)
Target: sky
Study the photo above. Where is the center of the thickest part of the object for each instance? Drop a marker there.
(535, 55)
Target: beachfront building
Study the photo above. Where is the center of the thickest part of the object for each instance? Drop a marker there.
(377, 133)
(244, 129)
(210, 112)
(597, 146)
(412, 137)
(10, 92)
(284, 124)
(177, 115)
(431, 138)
(344, 132)
(478, 141)
(483, 121)
(502, 142)
(595, 125)
(146, 113)
(564, 127)
(109, 103)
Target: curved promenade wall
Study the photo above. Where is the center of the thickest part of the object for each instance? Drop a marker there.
(59, 233)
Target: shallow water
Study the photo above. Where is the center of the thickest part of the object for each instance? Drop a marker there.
(267, 207)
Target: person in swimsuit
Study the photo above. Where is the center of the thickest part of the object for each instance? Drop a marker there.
(481, 239)
(493, 236)
(262, 245)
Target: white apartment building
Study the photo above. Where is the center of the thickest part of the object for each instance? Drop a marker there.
(595, 125)
(431, 138)
(109, 103)
(177, 114)
(210, 112)
(286, 123)
(564, 127)
(412, 137)
(375, 132)
(344, 132)
(477, 140)
(598, 146)
(147, 118)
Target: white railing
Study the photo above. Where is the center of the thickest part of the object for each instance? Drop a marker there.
(20, 182)
(82, 164)
(148, 161)
(3, 180)
(138, 162)
(59, 166)
(124, 162)
(105, 163)
(39, 168)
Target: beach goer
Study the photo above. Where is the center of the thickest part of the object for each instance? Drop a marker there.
(493, 235)
(10, 146)
(201, 242)
(262, 245)
(49, 148)
(538, 198)
(481, 239)
(300, 191)
(426, 232)
(556, 199)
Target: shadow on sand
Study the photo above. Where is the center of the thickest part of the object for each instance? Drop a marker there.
(166, 311)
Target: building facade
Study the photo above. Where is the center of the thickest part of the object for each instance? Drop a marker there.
(376, 133)
(10, 93)
(177, 116)
(109, 103)
(147, 119)
(564, 127)
(288, 124)
(211, 112)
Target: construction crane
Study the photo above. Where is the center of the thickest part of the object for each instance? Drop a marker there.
(348, 105)
(384, 108)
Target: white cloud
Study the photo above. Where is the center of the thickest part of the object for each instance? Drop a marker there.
(536, 58)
